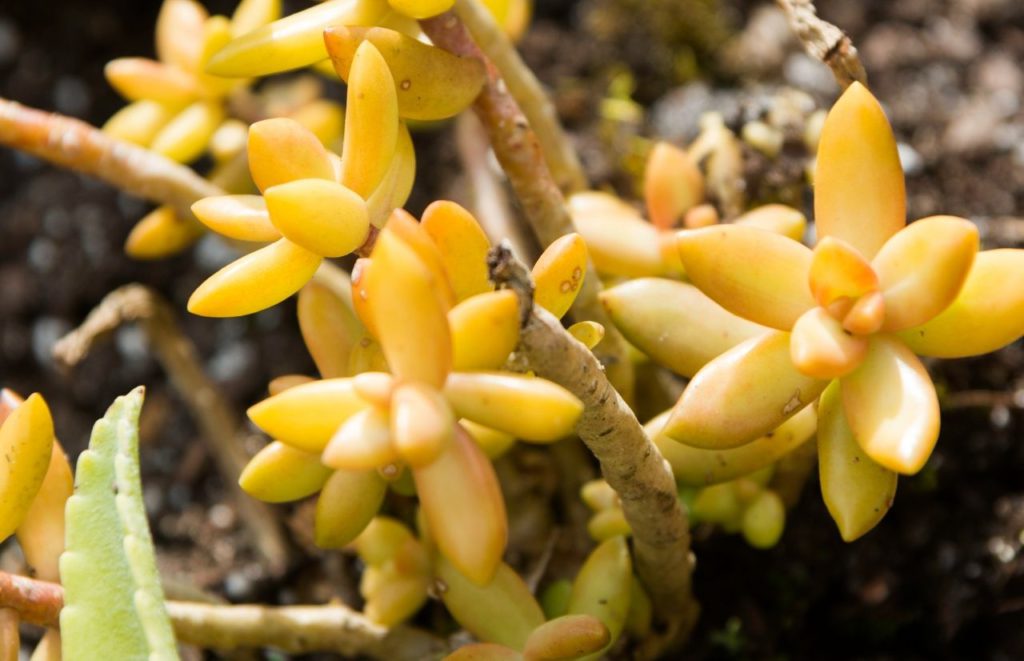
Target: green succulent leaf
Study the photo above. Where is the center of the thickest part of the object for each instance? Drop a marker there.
(114, 605)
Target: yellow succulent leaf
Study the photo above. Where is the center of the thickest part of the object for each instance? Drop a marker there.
(216, 35)
(422, 424)
(821, 348)
(139, 122)
(137, 78)
(988, 314)
(381, 540)
(922, 268)
(697, 467)
(503, 611)
(242, 217)
(279, 384)
(567, 637)
(620, 242)
(859, 194)
(603, 586)
(322, 216)
(228, 141)
(291, 42)
(413, 234)
(559, 272)
(672, 185)
(777, 218)
(464, 509)
(484, 652)
(161, 233)
(485, 330)
(529, 408)
(866, 316)
(402, 293)
(377, 388)
(590, 333)
(463, 247)
(431, 83)
(756, 274)
(41, 533)
(324, 119)
(764, 520)
(347, 503)
(675, 323)
(891, 406)
(179, 30)
(255, 281)
(396, 599)
(742, 395)
(494, 443)
(719, 504)
(421, 8)
(607, 524)
(396, 186)
(362, 443)
(251, 14)
(838, 271)
(857, 491)
(329, 328)
(599, 495)
(371, 122)
(282, 150)
(186, 137)
(279, 474)
(308, 415)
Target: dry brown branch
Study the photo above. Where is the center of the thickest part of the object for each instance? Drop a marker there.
(519, 152)
(221, 428)
(540, 112)
(10, 640)
(74, 144)
(294, 629)
(630, 462)
(825, 42)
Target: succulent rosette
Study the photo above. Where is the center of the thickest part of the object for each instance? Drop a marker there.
(844, 321)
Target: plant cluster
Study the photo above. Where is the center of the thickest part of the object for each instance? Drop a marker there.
(427, 346)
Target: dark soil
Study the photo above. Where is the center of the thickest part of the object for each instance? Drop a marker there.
(941, 577)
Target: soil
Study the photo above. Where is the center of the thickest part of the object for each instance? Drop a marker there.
(941, 578)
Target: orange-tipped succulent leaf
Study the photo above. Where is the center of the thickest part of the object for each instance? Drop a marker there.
(859, 194)
(672, 184)
(777, 218)
(821, 348)
(322, 216)
(485, 330)
(371, 122)
(422, 424)
(161, 233)
(620, 242)
(857, 491)
(282, 150)
(463, 247)
(364, 442)
(179, 30)
(922, 268)
(401, 292)
(465, 511)
(242, 217)
(559, 272)
(413, 234)
(753, 273)
(742, 395)
(307, 416)
(891, 406)
(26, 444)
(396, 186)
(137, 78)
(987, 314)
(838, 271)
(255, 281)
(329, 328)
(431, 83)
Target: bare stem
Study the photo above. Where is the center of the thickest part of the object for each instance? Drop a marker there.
(825, 42)
(295, 629)
(540, 112)
(74, 144)
(520, 154)
(222, 429)
(630, 462)
(10, 640)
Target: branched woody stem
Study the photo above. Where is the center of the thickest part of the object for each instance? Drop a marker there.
(519, 152)
(219, 425)
(526, 89)
(630, 462)
(824, 41)
(294, 629)
(73, 144)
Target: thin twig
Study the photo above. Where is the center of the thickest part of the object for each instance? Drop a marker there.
(630, 462)
(222, 429)
(74, 144)
(295, 629)
(559, 154)
(825, 42)
(519, 152)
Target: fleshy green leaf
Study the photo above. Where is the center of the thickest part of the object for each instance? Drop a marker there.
(113, 602)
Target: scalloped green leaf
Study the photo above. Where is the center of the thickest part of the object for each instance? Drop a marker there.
(113, 602)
